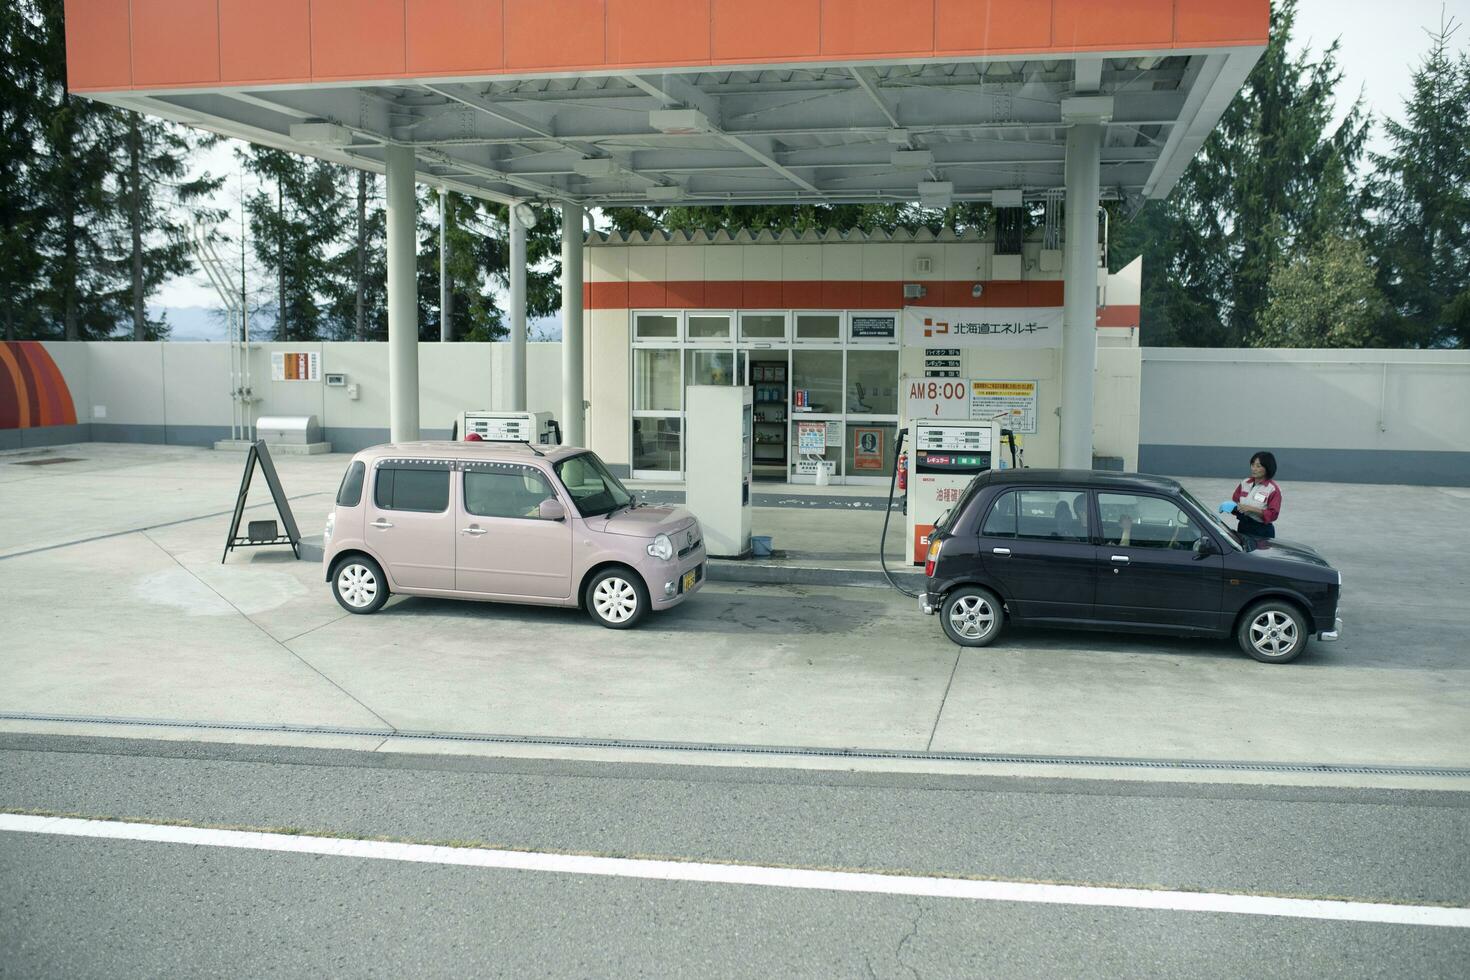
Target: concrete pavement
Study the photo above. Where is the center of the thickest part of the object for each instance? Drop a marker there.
(146, 624)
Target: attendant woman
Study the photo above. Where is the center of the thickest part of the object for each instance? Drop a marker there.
(1256, 502)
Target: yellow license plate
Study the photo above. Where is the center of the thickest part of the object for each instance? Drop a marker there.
(688, 582)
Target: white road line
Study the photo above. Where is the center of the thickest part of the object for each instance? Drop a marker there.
(731, 874)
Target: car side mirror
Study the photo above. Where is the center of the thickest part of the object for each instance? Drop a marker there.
(551, 509)
(1205, 547)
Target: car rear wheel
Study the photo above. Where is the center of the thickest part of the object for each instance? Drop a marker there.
(1273, 632)
(971, 616)
(359, 585)
(617, 599)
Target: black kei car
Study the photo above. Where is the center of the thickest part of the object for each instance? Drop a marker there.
(1119, 551)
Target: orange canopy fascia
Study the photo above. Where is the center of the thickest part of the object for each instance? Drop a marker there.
(140, 45)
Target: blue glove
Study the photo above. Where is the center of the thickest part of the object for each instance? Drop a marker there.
(1228, 507)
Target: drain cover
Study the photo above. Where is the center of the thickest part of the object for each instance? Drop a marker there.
(46, 462)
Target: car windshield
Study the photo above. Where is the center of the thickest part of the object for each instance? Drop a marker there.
(1231, 534)
(593, 489)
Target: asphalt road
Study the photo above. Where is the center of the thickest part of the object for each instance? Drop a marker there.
(86, 907)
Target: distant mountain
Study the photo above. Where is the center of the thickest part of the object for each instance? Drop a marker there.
(201, 323)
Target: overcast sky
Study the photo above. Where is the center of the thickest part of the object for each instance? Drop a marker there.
(1381, 43)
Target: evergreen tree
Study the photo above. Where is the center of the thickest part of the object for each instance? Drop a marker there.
(358, 294)
(297, 220)
(1422, 196)
(80, 284)
(155, 194)
(21, 84)
(1271, 180)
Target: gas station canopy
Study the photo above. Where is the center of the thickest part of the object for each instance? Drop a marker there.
(656, 102)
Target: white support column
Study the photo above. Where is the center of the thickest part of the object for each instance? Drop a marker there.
(446, 294)
(1079, 323)
(573, 417)
(403, 323)
(517, 275)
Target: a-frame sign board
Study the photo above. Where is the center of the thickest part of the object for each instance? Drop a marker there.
(262, 532)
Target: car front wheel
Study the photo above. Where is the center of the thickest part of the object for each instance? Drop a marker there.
(971, 616)
(1273, 632)
(359, 585)
(617, 599)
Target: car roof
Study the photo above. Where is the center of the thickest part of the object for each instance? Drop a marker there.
(1105, 479)
(446, 449)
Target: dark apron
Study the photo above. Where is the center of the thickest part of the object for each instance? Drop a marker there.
(1253, 528)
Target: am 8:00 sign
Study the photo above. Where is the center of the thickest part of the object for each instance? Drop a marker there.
(935, 398)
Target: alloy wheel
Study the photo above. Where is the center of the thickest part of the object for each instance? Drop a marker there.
(971, 617)
(1273, 633)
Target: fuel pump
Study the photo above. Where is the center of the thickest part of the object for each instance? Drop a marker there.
(536, 428)
(947, 455)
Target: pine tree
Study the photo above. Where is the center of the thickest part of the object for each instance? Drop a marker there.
(20, 214)
(81, 288)
(1272, 180)
(155, 194)
(297, 220)
(1422, 196)
(357, 306)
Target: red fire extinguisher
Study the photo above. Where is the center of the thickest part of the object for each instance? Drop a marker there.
(903, 471)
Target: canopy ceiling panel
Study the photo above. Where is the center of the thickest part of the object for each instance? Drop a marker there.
(692, 101)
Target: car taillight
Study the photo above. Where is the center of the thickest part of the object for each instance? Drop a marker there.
(932, 559)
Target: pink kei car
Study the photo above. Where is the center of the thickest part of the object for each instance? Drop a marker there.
(505, 522)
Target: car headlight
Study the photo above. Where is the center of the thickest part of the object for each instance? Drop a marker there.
(331, 526)
(662, 547)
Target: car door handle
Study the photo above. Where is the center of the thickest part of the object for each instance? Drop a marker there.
(380, 524)
(1001, 551)
(1122, 559)
(477, 531)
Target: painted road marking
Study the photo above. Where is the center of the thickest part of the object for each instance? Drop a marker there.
(770, 877)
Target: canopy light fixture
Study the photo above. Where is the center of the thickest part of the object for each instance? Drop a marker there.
(526, 215)
(321, 134)
(595, 166)
(911, 159)
(665, 192)
(936, 193)
(680, 122)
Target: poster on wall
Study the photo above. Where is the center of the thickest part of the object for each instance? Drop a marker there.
(811, 438)
(1017, 398)
(296, 366)
(834, 434)
(867, 448)
(997, 328)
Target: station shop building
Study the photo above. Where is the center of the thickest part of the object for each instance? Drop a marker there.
(827, 327)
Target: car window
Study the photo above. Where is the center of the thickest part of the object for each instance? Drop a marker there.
(593, 489)
(1140, 521)
(505, 490)
(349, 494)
(413, 486)
(1042, 515)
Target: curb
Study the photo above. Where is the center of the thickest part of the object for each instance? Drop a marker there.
(774, 573)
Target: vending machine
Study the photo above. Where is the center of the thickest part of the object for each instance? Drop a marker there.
(946, 455)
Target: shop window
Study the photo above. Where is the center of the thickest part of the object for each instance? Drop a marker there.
(762, 326)
(714, 367)
(705, 327)
(656, 326)
(868, 448)
(816, 381)
(872, 382)
(656, 381)
(819, 327)
(656, 444)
